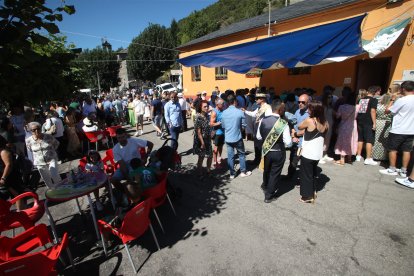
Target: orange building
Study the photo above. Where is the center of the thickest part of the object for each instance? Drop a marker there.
(390, 66)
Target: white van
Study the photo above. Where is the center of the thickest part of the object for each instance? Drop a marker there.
(166, 87)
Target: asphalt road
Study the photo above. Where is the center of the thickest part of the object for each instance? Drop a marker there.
(361, 224)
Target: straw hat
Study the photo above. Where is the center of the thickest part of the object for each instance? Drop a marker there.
(261, 95)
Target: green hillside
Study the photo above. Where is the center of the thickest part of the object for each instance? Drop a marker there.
(218, 15)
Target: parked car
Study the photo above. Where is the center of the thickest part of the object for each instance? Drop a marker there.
(166, 87)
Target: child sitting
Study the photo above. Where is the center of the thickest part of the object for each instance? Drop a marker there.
(145, 176)
(94, 164)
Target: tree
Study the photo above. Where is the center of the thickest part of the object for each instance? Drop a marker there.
(174, 32)
(151, 53)
(98, 62)
(26, 72)
(221, 14)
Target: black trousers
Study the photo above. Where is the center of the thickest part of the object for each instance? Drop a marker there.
(61, 150)
(257, 150)
(273, 165)
(184, 115)
(308, 172)
(293, 160)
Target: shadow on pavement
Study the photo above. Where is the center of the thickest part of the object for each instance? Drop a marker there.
(193, 199)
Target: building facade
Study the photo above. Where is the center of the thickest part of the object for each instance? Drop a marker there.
(390, 66)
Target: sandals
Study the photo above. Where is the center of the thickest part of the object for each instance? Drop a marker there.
(307, 200)
(339, 163)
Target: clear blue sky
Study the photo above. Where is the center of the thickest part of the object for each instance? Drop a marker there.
(120, 19)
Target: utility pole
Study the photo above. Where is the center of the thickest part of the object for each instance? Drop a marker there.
(99, 82)
(268, 27)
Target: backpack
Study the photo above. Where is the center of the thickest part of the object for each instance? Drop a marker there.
(52, 130)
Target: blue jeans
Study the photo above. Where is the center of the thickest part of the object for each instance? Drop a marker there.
(175, 132)
(239, 146)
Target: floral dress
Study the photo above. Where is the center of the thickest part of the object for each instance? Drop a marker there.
(44, 150)
(203, 123)
(347, 141)
(383, 126)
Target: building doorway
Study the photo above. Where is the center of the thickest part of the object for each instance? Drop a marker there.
(373, 72)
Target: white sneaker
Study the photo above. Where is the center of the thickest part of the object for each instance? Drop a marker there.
(245, 174)
(136, 134)
(327, 158)
(99, 206)
(404, 181)
(389, 171)
(402, 173)
(358, 158)
(232, 176)
(322, 161)
(370, 161)
(141, 132)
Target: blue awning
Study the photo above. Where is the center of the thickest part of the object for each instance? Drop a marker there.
(312, 46)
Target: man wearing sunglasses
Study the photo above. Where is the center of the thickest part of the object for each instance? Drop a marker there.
(300, 115)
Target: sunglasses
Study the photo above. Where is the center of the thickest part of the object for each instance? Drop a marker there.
(35, 129)
(301, 102)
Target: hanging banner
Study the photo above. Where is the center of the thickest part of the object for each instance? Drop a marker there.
(384, 38)
(254, 73)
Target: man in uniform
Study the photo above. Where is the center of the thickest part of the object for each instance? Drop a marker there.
(263, 110)
(273, 131)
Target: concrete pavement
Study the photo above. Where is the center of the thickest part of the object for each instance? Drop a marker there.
(361, 224)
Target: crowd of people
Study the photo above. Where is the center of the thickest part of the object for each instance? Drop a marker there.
(315, 129)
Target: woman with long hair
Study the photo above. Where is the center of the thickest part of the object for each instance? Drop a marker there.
(11, 184)
(73, 147)
(383, 126)
(202, 138)
(329, 112)
(131, 112)
(315, 128)
(347, 141)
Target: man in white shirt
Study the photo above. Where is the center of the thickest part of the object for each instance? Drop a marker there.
(263, 109)
(124, 151)
(139, 108)
(401, 136)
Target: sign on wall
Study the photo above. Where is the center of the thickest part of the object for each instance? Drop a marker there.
(176, 72)
(254, 73)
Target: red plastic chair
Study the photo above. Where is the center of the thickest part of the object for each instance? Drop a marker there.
(134, 225)
(109, 163)
(17, 258)
(112, 132)
(158, 194)
(82, 163)
(95, 137)
(25, 218)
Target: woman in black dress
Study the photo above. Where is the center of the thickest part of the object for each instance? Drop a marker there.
(202, 138)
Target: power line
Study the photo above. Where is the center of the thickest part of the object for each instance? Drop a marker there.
(114, 60)
(118, 40)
